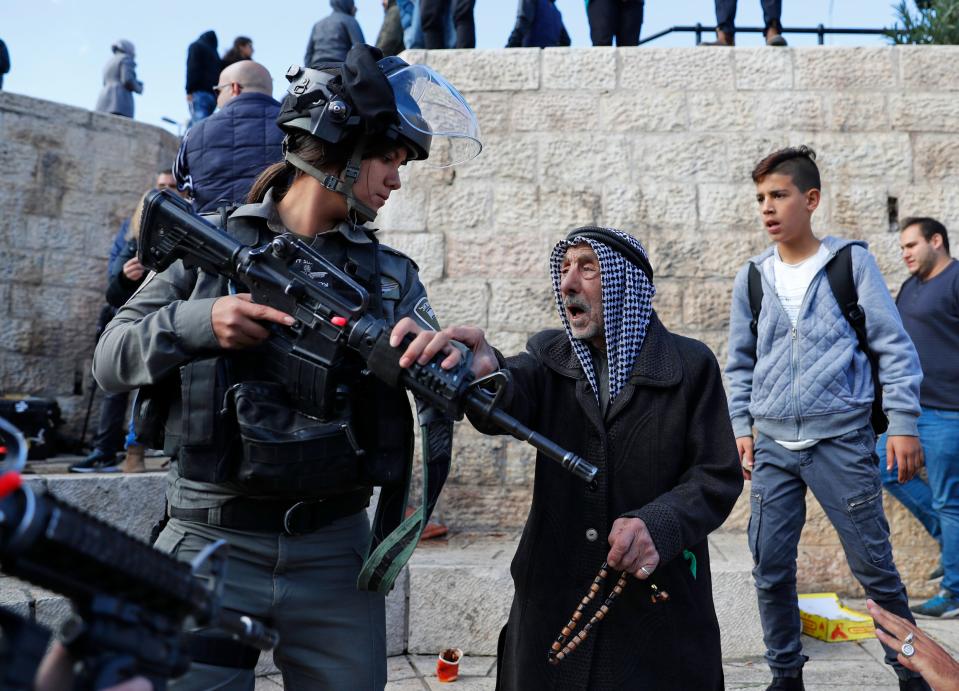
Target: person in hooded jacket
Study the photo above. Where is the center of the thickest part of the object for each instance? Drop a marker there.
(647, 407)
(539, 24)
(119, 81)
(203, 66)
(334, 35)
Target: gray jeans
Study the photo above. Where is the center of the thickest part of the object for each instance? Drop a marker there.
(843, 475)
(331, 635)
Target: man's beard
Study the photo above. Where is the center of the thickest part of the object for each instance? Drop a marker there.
(591, 329)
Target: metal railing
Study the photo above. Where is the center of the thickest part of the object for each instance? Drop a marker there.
(820, 31)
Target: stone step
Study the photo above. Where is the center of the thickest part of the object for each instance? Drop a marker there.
(454, 592)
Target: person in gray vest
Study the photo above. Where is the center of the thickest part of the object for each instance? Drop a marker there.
(221, 156)
(286, 480)
(119, 81)
(333, 35)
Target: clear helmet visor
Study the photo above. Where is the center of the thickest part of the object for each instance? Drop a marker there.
(430, 105)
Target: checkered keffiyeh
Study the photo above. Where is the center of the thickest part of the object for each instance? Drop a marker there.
(627, 307)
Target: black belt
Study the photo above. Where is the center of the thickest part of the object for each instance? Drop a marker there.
(278, 516)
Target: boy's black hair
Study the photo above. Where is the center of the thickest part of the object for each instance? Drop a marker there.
(928, 227)
(798, 162)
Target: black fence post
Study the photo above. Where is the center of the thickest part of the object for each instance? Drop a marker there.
(822, 34)
(699, 33)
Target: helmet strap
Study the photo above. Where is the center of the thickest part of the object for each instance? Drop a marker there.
(342, 185)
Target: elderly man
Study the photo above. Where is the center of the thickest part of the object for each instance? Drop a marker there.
(647, 407)
(221, 156)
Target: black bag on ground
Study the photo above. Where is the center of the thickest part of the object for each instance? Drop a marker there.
(38, 419)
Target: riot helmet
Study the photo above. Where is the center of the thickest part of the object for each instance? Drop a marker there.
(369, 103)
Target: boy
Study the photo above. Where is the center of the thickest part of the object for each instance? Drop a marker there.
(799, 376)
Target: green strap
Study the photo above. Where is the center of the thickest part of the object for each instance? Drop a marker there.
(385, 563)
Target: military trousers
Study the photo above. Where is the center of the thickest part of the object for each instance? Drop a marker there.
(332, 636)
(843, 475)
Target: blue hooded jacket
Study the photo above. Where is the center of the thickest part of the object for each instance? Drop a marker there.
(812, 381)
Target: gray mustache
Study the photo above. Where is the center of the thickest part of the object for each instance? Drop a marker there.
(577, 301)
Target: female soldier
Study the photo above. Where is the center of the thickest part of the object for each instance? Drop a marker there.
(284, 478)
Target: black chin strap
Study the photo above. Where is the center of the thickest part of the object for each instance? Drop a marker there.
(344, 185)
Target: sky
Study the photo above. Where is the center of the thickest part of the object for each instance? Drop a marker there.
(58, 47)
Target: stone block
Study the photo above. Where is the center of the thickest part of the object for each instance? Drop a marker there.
(856, 112)
(460, 301)
(859, 208)
(758, 68)
(504, 254)
(397, 615)
(832, 68)
(516, 208)
(936, 156)
(676, 68)
(513, 69)
(646, 111)
(563, 209)
(928, 198)
(858, 156)
(507, 157)
(18, 161)
(509, 342)
(460, 207)
(498, 508)
(407, 209)
(22, 267)
(459, 597)
(745, 111)
(622, 207)
(929, 68)
(579, 69)
(17, 335)
(734, 596)
(680, 253)
(665, 204)
(924, 112)
(730, 206)
(68, 269)
(132, 503)
(522, 304)
(478, 458)
(552, 111)
(520, 465)
(583, 161)
(668, 302)
(426, 249)
(680, 157)
(706, 305)
(492, 111)
(744, 151)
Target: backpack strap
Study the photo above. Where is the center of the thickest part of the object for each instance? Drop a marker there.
(755, 285)
(839, 274)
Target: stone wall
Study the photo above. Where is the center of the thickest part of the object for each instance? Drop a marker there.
(660, 142)
(68, 177)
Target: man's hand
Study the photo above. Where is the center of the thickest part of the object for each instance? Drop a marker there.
(935, 665)
(744, 445)
(133, 269)
(907, 452)
(236, 321)
(428, 344)
(631, 548)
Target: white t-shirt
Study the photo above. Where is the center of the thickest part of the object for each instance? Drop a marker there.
(791, 282)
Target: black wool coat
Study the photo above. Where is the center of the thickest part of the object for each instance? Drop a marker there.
(666, 454)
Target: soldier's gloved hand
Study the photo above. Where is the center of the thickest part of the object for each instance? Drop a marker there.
(428, 344)
(236, 321)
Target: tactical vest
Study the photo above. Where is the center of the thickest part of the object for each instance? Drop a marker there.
(300, 431)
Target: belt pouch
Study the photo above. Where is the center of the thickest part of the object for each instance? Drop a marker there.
(286, 452)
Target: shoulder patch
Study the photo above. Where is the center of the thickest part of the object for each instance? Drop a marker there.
(424, 312)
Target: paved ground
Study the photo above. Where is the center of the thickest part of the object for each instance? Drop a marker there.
(856, 666)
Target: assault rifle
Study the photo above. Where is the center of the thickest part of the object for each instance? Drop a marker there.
(131, 603)
(331, 310)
